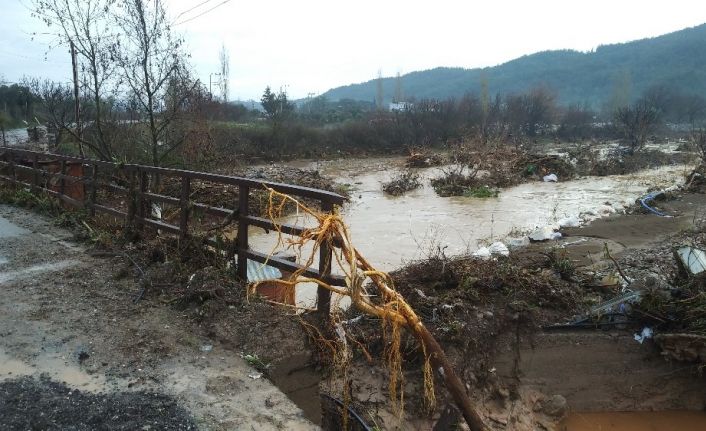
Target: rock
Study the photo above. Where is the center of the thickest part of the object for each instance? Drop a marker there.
(554, 406)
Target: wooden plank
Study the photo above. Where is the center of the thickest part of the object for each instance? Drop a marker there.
(157, 224)
(62, 178)
(92, 186)
(221, 212)
(184, 206)
(70, 201)
(267, 224)
(155, 197)
(323, 295)
(111, 211)
(242, 238)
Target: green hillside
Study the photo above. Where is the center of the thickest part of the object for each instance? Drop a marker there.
(676, 60)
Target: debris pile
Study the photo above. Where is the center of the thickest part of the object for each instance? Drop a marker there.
(401, 183)
(423, 158)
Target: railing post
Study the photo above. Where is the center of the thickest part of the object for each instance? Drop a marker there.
(92, 189)
(13, 170)
(323, 295)
(131, 201)
(62, 181)
(141, 201)
(242, 239)
(35, 166)
(184, 207)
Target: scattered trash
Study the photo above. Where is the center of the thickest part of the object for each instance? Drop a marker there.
(614, 304)
(551, 178)
(650, 197)
(482, 253)
(494, 249)
(498, 248)
(513, 243)
(644, 335)
(691, 260)
(543, 234)
(260, 272)
(206, 348)
(255, 376)
(156, 211)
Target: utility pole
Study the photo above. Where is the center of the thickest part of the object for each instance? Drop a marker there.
(77, 103)
(210, 83)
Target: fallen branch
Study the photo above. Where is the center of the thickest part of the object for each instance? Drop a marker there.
(617, 265)
(388, 305)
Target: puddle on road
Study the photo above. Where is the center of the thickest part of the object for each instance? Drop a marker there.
(9, 229)
(30, 271)
(636, 421)
(390, 231)
(56, 367)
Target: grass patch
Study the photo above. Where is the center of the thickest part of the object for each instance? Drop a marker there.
(481, 192)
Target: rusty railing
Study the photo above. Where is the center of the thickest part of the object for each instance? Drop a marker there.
(77, 182)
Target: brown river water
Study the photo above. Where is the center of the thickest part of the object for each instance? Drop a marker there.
(390, 231)
(637, 421)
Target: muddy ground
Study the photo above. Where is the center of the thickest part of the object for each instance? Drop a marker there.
(70, 318)
(496, 320)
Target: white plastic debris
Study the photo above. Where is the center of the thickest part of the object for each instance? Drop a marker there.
(551, 178)
(692, 259)
(644, 335)
(156, 211)
(206, 347)
(572, 221)
(498, 248)
(482, 253)
(544, 233)
(255, 376)
(513, 243)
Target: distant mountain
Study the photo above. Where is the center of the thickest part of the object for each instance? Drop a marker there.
(676, 60)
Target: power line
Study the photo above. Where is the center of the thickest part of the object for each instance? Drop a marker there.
(190, 9)
(202, 13)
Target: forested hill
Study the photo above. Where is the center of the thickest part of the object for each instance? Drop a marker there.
(675, 60)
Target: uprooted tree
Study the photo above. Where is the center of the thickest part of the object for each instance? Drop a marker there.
(372, 292)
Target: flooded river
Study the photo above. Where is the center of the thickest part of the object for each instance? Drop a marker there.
(391, 231)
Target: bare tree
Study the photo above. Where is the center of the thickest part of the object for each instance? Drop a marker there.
(636, 123)
(56, 105)
(86, 24)
(224, 59)
(152, 65)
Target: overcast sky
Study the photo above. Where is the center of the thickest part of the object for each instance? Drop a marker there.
(311, 46)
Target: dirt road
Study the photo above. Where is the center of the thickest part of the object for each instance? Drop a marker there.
(69, 325)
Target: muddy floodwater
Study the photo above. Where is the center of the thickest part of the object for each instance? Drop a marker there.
(637, 421)
(390, 231)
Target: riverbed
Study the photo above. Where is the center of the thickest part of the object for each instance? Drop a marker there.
(391, 231)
